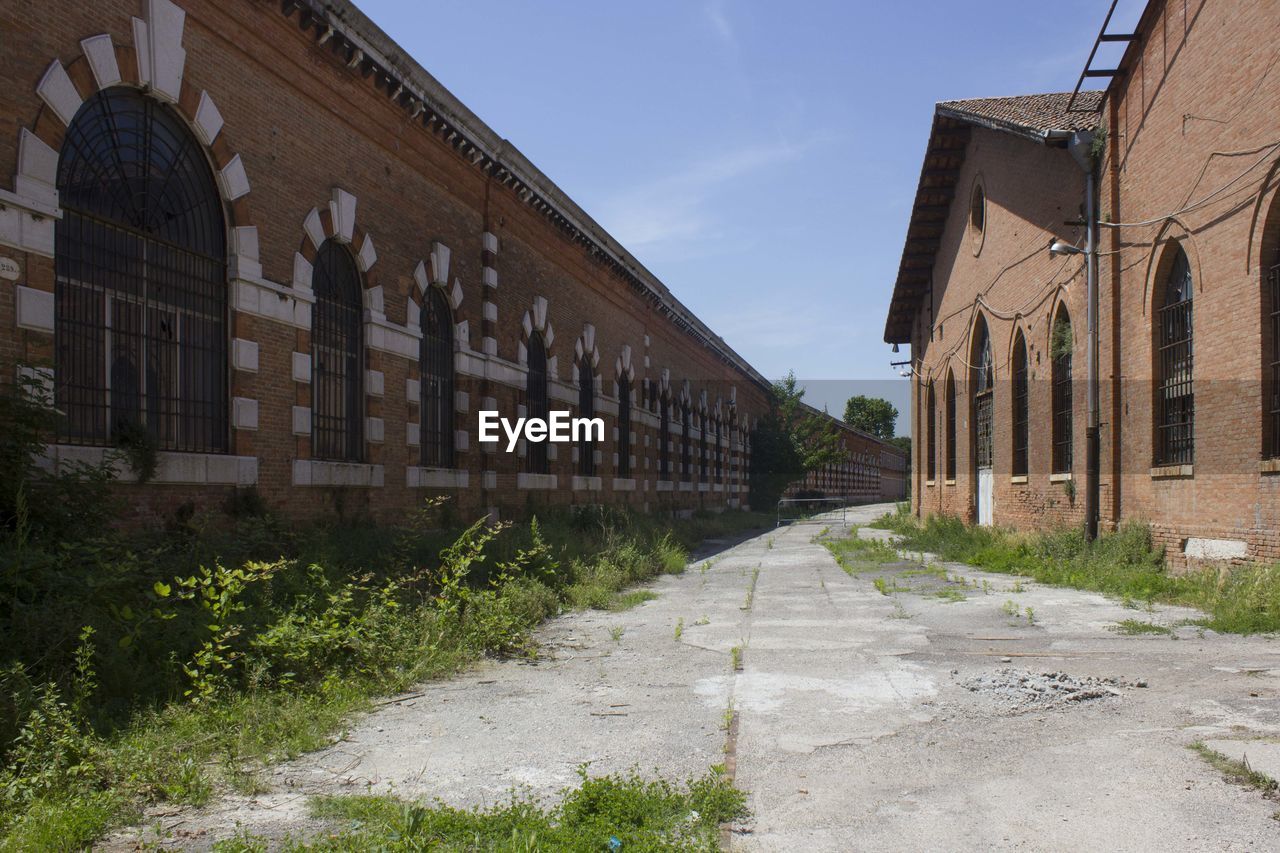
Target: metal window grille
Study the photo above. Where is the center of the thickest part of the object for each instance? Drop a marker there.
(983, 398)
(951, 428)
(1021, 407)
(686, 462)
(140, 294)
(586, 409)
(624, 427)
(1175, 397)
(719, 452)
(664, 440)
(1063, 433)
(437, 381)
(536, 402)
(337, 356)
(931, 451)
(702, 451)
(1273, 395)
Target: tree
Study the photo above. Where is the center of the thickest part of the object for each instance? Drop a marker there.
(788, 442)
(872, 415)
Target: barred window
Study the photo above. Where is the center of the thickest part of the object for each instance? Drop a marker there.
(983, 398)
(1175, 397)
(536, 401)
(437, 380)
(624, 427)
(1271, 374)
(140, 293)
(1061, 345)
(586, 409)
(719, 451)
(931, 450)
(1021, 406)
(337, 356)
(664, 440)
(951, 426)
(686, 461)
(702, 450)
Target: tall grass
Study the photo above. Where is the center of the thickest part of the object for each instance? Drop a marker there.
(169, 665)
(1124, 563)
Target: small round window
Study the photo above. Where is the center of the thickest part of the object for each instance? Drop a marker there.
(977, 215)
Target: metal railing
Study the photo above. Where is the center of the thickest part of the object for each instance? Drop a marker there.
(809, 510)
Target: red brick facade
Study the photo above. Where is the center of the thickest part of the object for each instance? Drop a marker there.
(1189, 161)
(319, 130)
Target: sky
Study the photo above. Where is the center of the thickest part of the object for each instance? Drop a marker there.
(758, 157)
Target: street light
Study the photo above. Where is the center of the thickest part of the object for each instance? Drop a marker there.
(1060, 248)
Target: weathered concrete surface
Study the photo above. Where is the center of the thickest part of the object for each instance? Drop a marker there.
(865, 721)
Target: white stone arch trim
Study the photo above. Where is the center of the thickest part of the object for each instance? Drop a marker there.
(584, 348)
(434, 272)
(533, 320)
(161, 63)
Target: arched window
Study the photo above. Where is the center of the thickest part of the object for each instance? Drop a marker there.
(586, 409)
(983, 384)
(337, 356)
(624, 427)
(536, 401)
(437, 380)
(1021, 406)
(702, 450)
(140, 334)
(931, 450)
(719, 451)
(1271, 348)
(951, 426)
(686, 453)
(1175, 400)
(1061, 345)
(664, 439)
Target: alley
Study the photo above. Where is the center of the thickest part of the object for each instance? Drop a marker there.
(933, 710)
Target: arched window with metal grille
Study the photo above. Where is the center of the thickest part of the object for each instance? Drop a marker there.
(664, 439)
(1175, 397)
(686, 451)
(702, 448)
(1021, 406)
(536, 401)
(719, 449)
(337, 356)
(1061, 347)
(1271, 346)
(931, 434)
(951, 426)
(624, 427)
(586, 409)
(140, 293)
(436, 364)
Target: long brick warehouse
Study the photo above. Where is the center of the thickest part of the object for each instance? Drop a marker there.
(264, 235)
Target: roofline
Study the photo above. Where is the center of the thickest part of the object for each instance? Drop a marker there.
(424, 96)
(848, 427)
(945, 112)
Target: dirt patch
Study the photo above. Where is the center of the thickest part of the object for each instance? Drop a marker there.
(1021, 690)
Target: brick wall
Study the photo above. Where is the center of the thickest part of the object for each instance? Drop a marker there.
(311, 134)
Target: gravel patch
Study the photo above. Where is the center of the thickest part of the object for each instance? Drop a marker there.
(1021, 690)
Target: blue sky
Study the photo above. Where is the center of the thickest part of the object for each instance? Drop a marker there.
(760, 158)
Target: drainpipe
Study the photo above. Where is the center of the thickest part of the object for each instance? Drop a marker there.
(1080, 145)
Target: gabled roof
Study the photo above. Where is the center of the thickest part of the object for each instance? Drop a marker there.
(1029, 116)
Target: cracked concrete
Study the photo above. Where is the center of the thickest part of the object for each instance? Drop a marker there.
(857, 727)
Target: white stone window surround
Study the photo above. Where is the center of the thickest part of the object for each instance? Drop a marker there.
(417, 477)
(320, 472)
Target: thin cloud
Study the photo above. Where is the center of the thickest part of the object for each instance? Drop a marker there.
(717, 16)
(677, 207)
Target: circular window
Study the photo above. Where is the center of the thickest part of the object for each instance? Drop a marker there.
(977, 215)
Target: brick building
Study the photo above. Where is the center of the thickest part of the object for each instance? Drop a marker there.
(1184, 149)
(261, 237)
(872, 470)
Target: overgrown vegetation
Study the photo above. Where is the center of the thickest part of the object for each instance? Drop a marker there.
(165, 664)
(854, 554)
(1240, 600)
(616, 812)
(789, 441)
(1238, 772)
